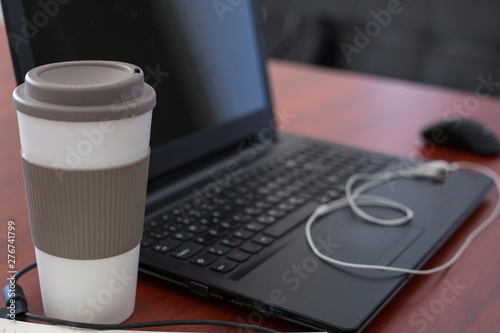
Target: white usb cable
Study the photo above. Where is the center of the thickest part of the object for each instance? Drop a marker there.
(438, 170)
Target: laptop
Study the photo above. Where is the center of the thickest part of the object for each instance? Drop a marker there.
(228, 194)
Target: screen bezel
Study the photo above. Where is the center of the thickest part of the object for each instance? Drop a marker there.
(190, 148)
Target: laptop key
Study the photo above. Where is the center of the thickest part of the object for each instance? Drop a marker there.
(276, 213)
(182, 219)
(153, 224)
(241, 218)
(203, 259)
(254, 226)
(218, 232)
(207, 239)
(158, 234)
(240, 201)
(243, 234)
(251, 247)
(238, 256)
(297, 201)
(187, 251)
(263, 205)
(263, 240)
(231, 242)
(218, 250)
(166, 245)
(264, 191)
(229, 225)
(224, 266)
(272, 199)
(266, 219)
(286, 207)
(183, 236)
(291, 221)
(204, 221)
(252, 211)
(173, 227)
(196, 228)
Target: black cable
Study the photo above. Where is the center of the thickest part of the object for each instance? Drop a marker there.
(190, 322)
(24, 270)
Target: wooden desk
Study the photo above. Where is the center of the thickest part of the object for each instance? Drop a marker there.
(374, 113)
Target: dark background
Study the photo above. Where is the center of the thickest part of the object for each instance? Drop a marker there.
(443, 42)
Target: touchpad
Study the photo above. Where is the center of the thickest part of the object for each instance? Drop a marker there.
(358, 241)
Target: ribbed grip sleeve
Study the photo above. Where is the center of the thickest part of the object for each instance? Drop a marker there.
(86, 214)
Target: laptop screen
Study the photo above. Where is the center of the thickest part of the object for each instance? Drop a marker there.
(203, 60)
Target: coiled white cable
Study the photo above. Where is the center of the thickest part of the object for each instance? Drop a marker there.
(356, 199)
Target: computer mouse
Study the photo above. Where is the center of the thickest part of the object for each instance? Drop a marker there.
(465, 134)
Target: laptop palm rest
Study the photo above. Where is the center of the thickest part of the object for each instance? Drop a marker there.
(348, 296)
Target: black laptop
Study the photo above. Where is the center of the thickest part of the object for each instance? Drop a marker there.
(228, 196)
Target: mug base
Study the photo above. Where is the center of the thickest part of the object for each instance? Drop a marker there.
(100, 291)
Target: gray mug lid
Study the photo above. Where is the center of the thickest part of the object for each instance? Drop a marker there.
(84, 91)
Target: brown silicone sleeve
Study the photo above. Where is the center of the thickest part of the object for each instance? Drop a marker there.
(86, 214)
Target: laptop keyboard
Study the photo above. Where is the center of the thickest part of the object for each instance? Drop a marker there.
(254, 209)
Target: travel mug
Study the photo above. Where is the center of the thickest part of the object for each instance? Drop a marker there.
(84, 130)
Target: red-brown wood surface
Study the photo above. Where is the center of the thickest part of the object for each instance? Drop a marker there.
(360, 110)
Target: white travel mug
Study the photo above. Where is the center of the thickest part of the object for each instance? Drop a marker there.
(84, 129)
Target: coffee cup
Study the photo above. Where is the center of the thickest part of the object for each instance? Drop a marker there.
(84, 131)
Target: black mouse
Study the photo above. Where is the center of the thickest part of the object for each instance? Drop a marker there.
(463, 134)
